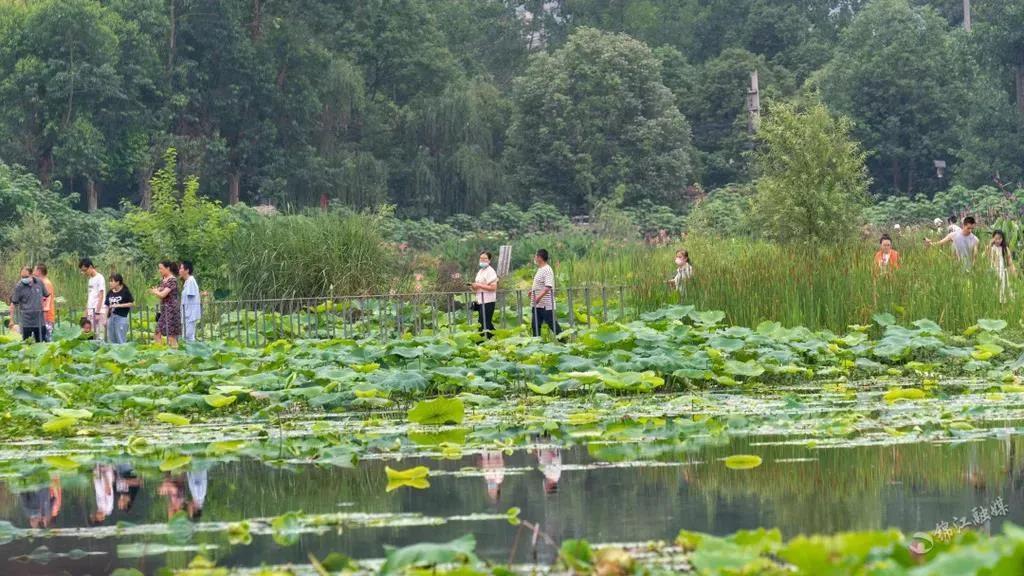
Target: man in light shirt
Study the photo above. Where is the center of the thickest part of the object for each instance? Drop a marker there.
(542, 296)
(964, 242)
(191, 301)
(486, 287)
(96, 295)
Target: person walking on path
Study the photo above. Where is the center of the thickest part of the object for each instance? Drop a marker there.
(49, 303)
(1001, 259)
(169, 325)
(95, 296)
(964, 242)
(486, 287)
(886, 259)
(191, 302)
(542, 295)
(119, 303)
(27, 302)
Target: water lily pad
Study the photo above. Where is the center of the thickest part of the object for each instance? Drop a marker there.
(438, 411)
(742, 461)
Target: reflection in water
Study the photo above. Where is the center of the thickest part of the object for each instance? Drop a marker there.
(42, 505)
(561, 491)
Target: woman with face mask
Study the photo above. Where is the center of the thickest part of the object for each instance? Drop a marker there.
(486, 288)
(684, 271)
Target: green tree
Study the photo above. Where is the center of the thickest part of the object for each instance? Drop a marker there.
(813, 182)
(896, 75)
(593, 116)
(181, 224)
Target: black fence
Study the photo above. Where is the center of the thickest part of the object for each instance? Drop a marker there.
(384, 316)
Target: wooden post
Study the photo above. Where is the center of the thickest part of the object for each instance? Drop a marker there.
(967, 15)
(1020, 87)
(753, 104)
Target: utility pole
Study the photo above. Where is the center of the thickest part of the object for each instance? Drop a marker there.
(753, 104)
(967, 15)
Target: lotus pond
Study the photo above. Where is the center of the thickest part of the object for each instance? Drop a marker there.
(665, 445)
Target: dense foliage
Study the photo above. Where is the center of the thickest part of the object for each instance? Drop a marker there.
(449, 106)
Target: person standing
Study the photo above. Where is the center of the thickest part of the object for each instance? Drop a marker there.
(169, 325)
(684, 271)
(27, 302)
(191, 302)
(886, 259)
(542, 295)
(96, 295)
(49, 303)
(964, 242)
(119, 303)
(486, 287)
(1001, 259)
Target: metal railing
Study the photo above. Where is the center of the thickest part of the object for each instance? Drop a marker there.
(386, 316)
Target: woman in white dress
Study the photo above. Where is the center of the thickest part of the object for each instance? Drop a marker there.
(1002, 264)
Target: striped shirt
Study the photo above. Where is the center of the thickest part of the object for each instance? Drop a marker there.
(544, 278)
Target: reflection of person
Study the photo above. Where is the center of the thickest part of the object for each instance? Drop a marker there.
(103, 484)
(173, 488)
(169, 324)
(126, 486)
(886, 259)
(1001, 259)
(549, 459)
(492, 463)
(486, 287)
(197, 482)
(42, 506)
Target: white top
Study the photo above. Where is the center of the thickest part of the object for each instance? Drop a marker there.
(486, 276)
(191, 304)
(103, 484)
(197, 483)
(97, 287)
(954, 229)
(545, 277)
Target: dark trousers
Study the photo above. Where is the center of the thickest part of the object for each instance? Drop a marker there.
(36, 332)
(540, 317)
(486, 314)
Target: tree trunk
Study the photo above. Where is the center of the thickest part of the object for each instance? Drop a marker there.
(1020, 88)
(44, 168)
(257, 19)
(172, 39)
(324, 201)
(145, 190)
(92, 195)
(896, 174)
(234, 187)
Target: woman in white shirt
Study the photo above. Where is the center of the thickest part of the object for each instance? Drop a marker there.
(1002, 264)
(486, 288)
(684, 271)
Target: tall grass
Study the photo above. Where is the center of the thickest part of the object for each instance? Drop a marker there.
(815, 286)
(309, 256)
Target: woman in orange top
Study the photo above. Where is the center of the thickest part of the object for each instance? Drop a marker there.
(886, 259)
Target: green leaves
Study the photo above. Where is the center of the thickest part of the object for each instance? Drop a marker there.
(459, 551)
(412, 478)
(172, 419)
(742, 462)
(438, 411)
(219, 401)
